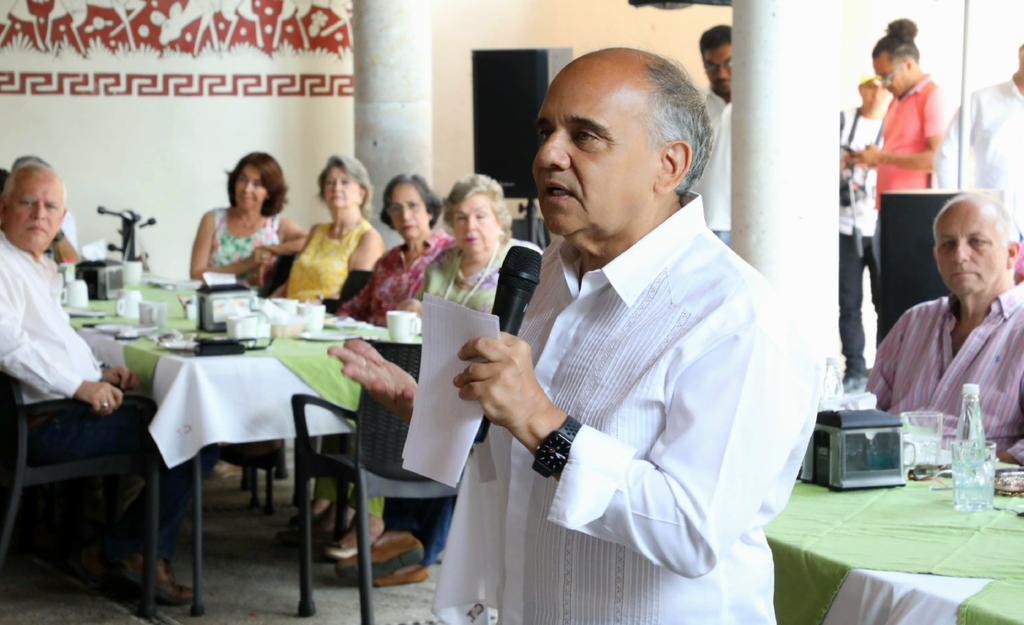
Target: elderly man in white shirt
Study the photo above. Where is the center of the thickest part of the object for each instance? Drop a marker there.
(656, 380)
(39, 348)
(997, 141)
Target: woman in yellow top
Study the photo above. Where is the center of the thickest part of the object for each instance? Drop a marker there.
(348, 243)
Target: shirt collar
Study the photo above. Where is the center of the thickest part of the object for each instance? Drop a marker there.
(42, 262)
(1006, 304)
(919, 86)
(632, 271)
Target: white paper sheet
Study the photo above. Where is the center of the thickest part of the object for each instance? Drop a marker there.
(443, 426)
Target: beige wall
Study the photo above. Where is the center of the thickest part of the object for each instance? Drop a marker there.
(460, 26)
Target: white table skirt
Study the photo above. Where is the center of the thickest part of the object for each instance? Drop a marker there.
(219, 399)
(885, 598)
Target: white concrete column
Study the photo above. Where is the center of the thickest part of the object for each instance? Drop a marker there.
(393, 111)
(785, 153)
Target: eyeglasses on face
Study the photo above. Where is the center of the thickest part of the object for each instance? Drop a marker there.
(714, 68)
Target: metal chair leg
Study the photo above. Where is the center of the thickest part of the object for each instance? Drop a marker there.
(268, 505)
(306, 605)
(365, 563)
(281, 468)
(10, 518)
(198, 608)
(254, 487)
(147, 602)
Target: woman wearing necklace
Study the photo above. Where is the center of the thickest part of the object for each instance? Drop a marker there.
(347, 243)
(467, 273)
(244, 238)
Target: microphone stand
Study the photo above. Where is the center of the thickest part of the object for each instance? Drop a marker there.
(129, 222)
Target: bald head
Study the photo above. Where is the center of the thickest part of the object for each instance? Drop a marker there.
(975, 248)
(674, 109)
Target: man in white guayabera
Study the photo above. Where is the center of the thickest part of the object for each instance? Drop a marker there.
(659, 364)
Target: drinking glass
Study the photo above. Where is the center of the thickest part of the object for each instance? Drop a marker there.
(922, 437)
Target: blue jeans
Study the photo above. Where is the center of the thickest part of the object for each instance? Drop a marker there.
(78, 434)
(427, 519)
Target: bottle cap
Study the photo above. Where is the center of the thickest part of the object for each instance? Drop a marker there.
(972, 389)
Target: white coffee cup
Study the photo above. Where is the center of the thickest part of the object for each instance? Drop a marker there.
(131, 271)
(128, 304)
(153, 314)
(243, 326)
(290, 306)
(403, 326)
(314, 314)
(67, 271)
(76, 294)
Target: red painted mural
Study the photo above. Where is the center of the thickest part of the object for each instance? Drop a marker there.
(194, 27)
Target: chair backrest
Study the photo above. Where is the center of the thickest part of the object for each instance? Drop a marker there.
(279, 275)
(380, 434)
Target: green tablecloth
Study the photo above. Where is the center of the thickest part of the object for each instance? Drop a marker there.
(822, 535)
(307, 359)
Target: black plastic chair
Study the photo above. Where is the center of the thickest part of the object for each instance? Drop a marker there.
(355, 282)
(373, 464)
(279, 275)
(16, 474)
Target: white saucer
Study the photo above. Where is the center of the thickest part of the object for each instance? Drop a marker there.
(329, 336)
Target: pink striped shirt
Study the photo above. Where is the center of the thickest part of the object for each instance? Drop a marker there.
(915, 368)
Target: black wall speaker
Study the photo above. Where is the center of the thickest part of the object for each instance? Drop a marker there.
(508, 90)
(909, 275)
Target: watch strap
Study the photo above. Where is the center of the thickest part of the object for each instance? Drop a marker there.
(552, 455)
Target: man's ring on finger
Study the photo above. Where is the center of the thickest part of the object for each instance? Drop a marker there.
(105, 405)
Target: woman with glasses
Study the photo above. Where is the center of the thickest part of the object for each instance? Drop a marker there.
(412, 210)
(244, 238)
(347, 243)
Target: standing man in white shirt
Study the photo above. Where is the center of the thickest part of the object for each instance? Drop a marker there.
(39, 348)
(652, 416)
(716, 186)
(997, 142)
(858, 215)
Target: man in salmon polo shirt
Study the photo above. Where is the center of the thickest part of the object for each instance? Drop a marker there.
(916, 120)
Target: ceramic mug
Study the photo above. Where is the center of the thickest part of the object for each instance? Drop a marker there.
(76, 294)
(131, 272)
(128, 304)
(403, 326)
(153, 314)
(314, 315)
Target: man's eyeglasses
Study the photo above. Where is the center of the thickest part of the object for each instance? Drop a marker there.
(887, 79)
(714, 68)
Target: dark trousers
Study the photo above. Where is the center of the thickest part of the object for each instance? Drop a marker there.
(851, 298)
(427, 519)
(79, 434)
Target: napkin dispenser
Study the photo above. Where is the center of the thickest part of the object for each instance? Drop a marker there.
(103, 278)
(852, 449)
(217, 303)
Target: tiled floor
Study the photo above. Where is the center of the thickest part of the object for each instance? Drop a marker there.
(249, 578)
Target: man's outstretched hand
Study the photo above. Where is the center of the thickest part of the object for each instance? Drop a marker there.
(385, 381)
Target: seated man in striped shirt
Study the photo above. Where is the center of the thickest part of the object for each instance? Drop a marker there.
(976, 334)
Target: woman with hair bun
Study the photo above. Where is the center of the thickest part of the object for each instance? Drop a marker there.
(916, 120)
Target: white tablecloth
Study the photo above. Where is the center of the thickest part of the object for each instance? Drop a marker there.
(885, 598)
(219, 399)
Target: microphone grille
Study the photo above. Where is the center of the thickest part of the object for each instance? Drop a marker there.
(522, 263)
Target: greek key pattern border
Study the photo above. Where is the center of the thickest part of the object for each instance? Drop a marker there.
(113, 84)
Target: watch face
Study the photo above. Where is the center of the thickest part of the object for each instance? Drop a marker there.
(554, 454)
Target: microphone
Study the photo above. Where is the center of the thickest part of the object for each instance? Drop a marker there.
(517, 280)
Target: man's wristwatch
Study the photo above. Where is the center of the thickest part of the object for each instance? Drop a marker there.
(553, 453)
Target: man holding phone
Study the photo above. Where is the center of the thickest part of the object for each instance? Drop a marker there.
(858, 128)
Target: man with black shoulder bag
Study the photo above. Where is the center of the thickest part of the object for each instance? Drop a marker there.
(858, 128)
